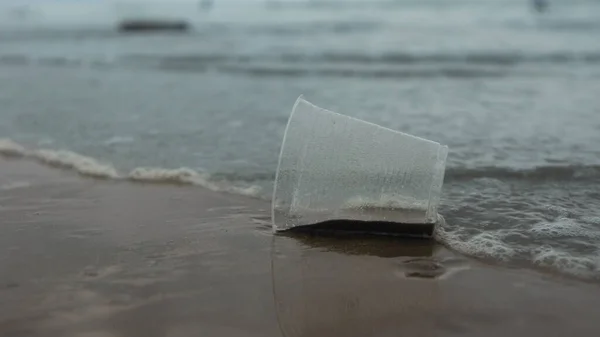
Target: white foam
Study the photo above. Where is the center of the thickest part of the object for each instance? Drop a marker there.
(250, 191)
(186, 175)
(60, 158)
(560, 211)
(11, 149)
(182, 175)
(92, 167)
(562, 228)
(594, 220)
(482, 245)
(579, 266)
(84, 165)
(501, 245)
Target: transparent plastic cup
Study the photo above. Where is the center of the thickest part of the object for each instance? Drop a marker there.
(338, 168)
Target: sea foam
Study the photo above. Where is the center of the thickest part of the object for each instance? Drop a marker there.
(95, 168)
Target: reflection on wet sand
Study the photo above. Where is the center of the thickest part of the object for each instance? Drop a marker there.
(354, 285)
(94, 258)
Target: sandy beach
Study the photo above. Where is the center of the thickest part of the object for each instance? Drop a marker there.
(136, 170)
(98, 258)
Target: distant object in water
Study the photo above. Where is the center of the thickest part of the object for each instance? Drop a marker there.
(151, 25)
(540, 5)
(206, 4)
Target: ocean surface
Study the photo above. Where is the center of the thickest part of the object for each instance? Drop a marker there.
(515, 95)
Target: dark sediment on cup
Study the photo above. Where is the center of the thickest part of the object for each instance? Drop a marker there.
(346, 226)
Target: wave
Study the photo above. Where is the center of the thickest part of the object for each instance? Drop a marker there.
(460, 174)
(556, 255)
(91, 167)
(388, 66)
(512, 244)
(58, 33)
(331, 5)
(274, 70)
(456, 73)
(387, 58)
(246, 183)
(200, 61)
(550, 172)
(265, 71)
(570, 25)
(312, 28)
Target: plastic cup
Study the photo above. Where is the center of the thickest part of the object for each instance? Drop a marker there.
(338, 168)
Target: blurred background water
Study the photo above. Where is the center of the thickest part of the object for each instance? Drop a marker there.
(513, 92)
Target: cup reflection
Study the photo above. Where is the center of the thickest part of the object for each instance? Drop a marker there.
(350, 285)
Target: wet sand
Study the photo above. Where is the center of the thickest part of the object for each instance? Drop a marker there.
(98, 258)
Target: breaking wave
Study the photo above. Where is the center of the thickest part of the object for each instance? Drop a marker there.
(91, 167)
(549, 246)
(555, 240)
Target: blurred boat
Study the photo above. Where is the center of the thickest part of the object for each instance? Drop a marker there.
(540, 6)
(152, 25)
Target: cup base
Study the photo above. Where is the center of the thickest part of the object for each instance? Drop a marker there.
(350, 227)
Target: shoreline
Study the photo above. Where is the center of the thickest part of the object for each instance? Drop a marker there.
(87, 257)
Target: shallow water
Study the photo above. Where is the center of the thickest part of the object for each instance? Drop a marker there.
(88, 258)
(513, 94)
